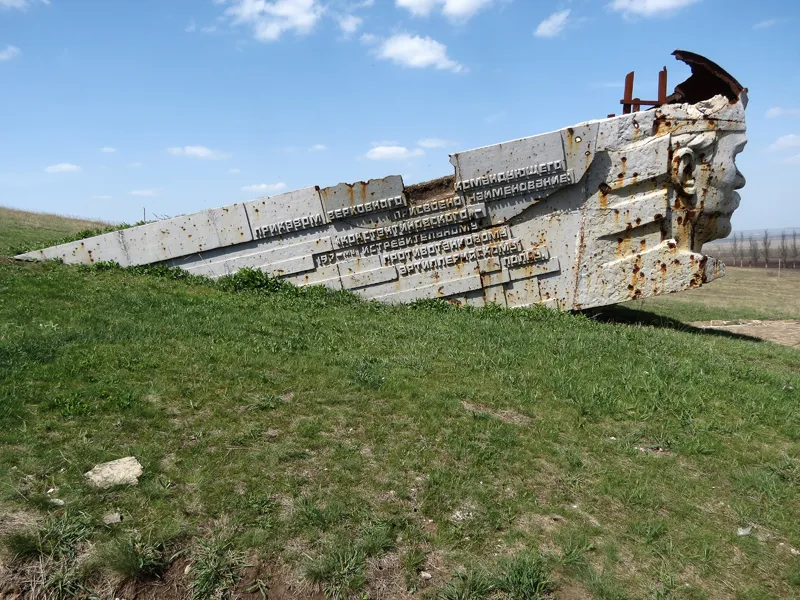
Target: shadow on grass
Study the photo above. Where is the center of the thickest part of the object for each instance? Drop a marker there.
(621, 314)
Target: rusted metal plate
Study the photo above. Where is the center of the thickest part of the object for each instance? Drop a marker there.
(595, 213)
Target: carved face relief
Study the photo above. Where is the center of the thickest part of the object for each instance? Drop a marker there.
(716, 188)
(704, 174)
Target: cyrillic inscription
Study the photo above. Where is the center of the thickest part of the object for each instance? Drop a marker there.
(446, 246)
(524, 258)
(420, 238)
(379, 233)
(287, 226)
(553, 166)
(523, 187)
(366, 207)
(328, 258)
(428, 207)
(451, 260)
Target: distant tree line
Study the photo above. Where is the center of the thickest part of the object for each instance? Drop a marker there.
(762, 250)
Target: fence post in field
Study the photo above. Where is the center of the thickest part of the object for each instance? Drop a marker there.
(794, 248)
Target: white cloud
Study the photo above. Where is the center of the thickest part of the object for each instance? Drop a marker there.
(191, 27)
(786, 141)
(318, 148)
(234, 171)
(21, 4)
(649, 8)
(793, 160)
(434, 143)
(102, 197)
(198, 152)
(456, 10)
(349, 24)
(270, 20)
(418, 8)
(417, 52)
(264, 187)
(777, 112)
(135, 165)
(62, 168)
(766, 23)
(393, 153)
(107, 149)
(146, 193)
(552, 25)
(368, 38)
(10, 52)
(461, 10)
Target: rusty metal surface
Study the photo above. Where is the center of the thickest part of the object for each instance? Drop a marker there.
(708, 80)
(592, 214)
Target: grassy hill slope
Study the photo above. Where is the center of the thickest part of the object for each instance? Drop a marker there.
(385, 452)
(20, 229)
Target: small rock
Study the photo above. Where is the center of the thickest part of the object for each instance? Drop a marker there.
(112, 519)
(57, 502)
(273, 433)
(425, 575)
(123, 471)
(743, 531)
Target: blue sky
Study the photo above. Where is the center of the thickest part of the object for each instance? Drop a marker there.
(179, 105)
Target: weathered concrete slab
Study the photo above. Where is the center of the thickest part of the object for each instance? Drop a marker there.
(109, 247)
(595, 213)
(285, 214)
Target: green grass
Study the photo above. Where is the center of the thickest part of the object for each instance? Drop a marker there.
(322, 436)
(743, 293)
(217, 569)
(21, 230)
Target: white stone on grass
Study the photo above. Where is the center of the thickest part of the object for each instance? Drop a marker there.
(123, 471)
(112, 518)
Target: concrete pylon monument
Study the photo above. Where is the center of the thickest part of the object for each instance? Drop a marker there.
(593, 214)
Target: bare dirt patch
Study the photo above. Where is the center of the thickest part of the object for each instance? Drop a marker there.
(786, 333)
(506, 415)
(532, 523)
(386, 578)
(654, 450)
